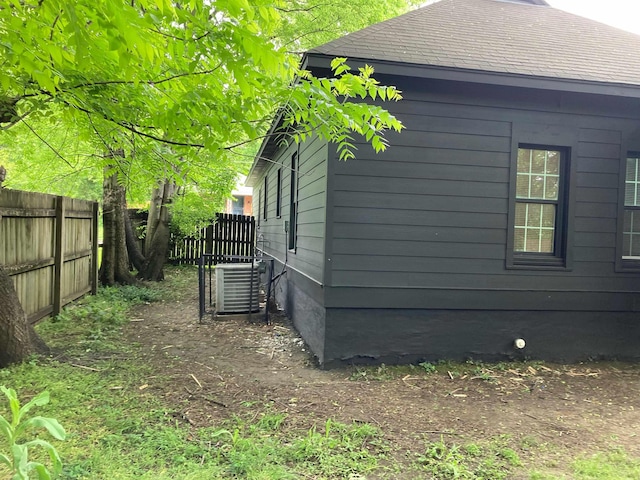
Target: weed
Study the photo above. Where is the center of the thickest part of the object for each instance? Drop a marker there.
(428, 367)
(482, 373)
(490, 461)
(378, 374)
(615, 464)
(359, 374)
(94, 323)
(529, 442)
(17, 458)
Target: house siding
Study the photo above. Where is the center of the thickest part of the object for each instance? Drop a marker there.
(403, 255)
(431, 212)
(299, 287)
(417, 247)
(308, 256)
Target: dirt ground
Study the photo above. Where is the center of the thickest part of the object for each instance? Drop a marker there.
(217, 367)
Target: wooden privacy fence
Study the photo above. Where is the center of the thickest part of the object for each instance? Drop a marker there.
(230, 235)
(49, 247)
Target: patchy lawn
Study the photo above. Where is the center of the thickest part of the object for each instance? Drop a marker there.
(155, 394)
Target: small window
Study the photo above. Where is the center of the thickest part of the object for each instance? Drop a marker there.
(539, 221)
(258, 210)
(631, 219)
(293, 202)
(279, 193)
(266, 198)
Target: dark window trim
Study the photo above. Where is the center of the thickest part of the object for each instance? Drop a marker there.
(258, 210)
(547, 137)
(624, 265)
(279, 193)
(266, 197)
(292, 240)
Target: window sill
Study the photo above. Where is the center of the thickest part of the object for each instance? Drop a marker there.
(628, 266)
(526, 262)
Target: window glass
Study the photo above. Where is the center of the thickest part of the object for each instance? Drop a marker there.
(537, 200)
(631, 221)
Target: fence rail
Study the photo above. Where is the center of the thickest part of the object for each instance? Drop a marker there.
(230, 235)
(49, 247)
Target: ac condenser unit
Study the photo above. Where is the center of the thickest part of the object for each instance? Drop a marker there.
(235, 289)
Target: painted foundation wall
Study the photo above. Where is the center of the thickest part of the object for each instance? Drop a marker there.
(406, 336)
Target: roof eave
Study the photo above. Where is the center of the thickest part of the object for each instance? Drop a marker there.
(254, 174)
(320, 60)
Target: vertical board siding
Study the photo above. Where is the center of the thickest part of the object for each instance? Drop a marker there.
(308, 256)
(229, 235)
(28, 249)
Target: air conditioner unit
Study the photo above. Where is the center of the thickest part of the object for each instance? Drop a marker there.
(235, 288)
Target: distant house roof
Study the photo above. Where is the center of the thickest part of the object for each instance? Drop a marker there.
(513, 37)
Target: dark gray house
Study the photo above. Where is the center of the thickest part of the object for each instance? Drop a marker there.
(508, 209)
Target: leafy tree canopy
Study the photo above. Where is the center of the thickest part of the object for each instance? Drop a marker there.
(166, 81)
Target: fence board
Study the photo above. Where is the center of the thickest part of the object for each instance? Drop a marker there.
(230, 235)
(49, 246)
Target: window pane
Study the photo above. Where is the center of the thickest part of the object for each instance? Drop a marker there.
(518, 239)
(631, 192)
(631, 234)
(538, 161)
(635, 246)
(546, 241)
(553, 163)
(537, 187)
(521, 214)
(524, 155)
(551, 188)
(532, 243)
(534, 227)
(538, 174)
(522, 186)
(533, 214)
(549, 216)
(631, 169)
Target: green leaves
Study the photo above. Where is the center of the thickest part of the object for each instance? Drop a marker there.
(18, 458)
(179, 87)
(324, 107)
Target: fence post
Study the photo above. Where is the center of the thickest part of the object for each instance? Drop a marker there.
(201, 286)
(58, 256)
(95, 211)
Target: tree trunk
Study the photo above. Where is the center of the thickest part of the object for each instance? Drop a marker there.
(154, 215)
(135, 256)
(115, 259)
(18, 339)
(158, 226)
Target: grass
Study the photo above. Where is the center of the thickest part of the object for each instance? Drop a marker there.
(614, 464)
(119, 427)
(492, 460)
(119, 430)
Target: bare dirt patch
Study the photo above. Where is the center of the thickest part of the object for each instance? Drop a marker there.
(219, 368)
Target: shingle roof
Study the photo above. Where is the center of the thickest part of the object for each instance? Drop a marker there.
(499, 36)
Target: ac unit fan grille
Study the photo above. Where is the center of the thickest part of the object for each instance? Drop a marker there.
(235, 289)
